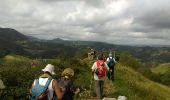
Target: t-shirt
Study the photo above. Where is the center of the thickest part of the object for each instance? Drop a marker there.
(94, 68)
(42, 81)
(108, 59)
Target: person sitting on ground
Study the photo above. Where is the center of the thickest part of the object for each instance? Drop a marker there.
(45, 87)
(111, 63)
(66, 84)
(99, 70)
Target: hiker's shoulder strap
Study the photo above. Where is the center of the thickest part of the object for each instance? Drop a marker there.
(48, 82)
(37, 89)
(36, 83)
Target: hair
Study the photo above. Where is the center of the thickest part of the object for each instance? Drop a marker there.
(100, 56)
(48, 73)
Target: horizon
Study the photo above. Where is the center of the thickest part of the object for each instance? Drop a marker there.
(119, 22)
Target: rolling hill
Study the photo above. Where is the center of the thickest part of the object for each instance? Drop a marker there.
(161, 69)
(14, 42)
(128, 82)
(137, 87)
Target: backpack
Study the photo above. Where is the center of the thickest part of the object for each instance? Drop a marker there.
(111, 62)
(101, 70)
(39, 92)
(66, 84)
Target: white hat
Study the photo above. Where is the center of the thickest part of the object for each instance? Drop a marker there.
(49, 68)
(110, 54)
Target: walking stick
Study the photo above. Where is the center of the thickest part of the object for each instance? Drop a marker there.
(91, 85)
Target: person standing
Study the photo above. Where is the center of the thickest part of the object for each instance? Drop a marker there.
(99, 69)
(66, 83)
(45, 87)
(111, 63)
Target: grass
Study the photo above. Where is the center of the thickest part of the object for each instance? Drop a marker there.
(128, 82)
(161, 69)
(135, 86)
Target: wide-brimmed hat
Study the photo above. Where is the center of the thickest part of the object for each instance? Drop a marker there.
(49, 68)
(68, 72)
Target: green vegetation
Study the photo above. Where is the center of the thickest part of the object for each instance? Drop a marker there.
(163, 73)
(137, 87)
(161, 69)
(18, 73)
(22, 58)
(13, 42)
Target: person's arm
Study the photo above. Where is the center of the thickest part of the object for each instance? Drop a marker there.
(107, 67)
(57, 90)
(93, 68)
(114, 60)
(107, 61)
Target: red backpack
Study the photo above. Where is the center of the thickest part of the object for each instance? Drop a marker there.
(101, 69)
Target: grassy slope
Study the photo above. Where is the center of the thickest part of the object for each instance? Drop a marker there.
(161, 69)
(136, 87)
(128, 82)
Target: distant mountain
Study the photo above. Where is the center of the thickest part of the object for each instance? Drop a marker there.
(8, 34)
(143, 53)
(31, 38)
(9, 39)
(12, 41)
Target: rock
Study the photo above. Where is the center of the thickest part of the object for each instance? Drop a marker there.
(121, 98)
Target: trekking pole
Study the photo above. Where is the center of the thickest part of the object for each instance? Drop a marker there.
(91, 85)
(114, 54)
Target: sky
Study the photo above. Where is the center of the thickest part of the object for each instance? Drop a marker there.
(128, 22)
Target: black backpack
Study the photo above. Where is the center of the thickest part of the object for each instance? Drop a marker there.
(67, 85)
(111, 62)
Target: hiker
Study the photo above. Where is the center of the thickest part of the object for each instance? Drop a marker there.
(111, 63)
(66, 83)
(92, 54)
(104, 57)
(45, 87)
(99, 71)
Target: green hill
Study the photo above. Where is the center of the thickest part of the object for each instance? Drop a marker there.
(11, 35)
(14, 42)
(18, 73)
(135, 86)
(161, 69)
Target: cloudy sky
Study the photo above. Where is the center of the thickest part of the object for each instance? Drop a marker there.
(134, 22)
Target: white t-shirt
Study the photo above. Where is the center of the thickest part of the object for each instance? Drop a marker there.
(42, 81)
(94, 68)
(108, 59)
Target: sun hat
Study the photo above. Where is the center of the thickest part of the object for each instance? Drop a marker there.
(49, 68)
(110, 54)
(68, 72)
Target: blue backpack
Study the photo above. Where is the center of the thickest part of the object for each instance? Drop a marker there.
(111, 62)
(39, 92)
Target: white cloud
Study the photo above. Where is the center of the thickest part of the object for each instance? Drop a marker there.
(118, 21)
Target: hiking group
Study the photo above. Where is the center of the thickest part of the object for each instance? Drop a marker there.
(102, 69)
(47, 88)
